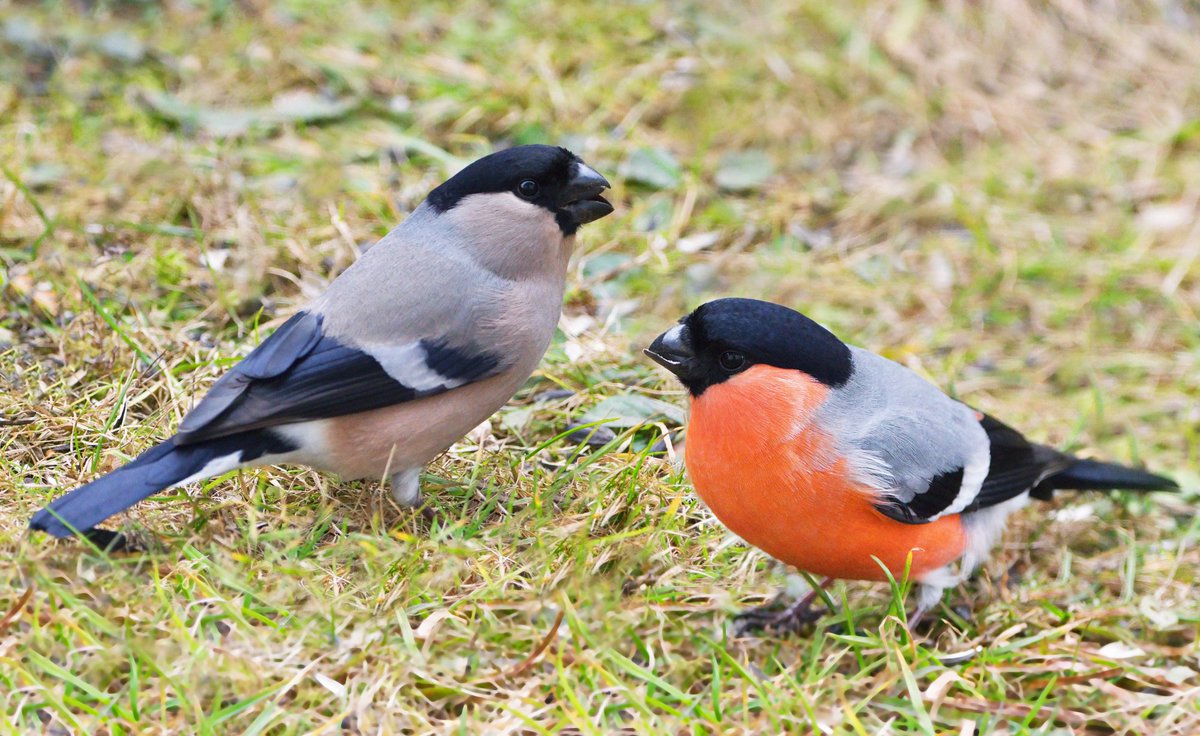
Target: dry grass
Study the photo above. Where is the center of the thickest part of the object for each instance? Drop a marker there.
(1003, 196)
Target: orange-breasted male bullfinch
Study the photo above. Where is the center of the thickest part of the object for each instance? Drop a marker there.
(431, 331)
(829, 457)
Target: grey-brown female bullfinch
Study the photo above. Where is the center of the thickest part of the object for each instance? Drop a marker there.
(424, 337)
(826, 456)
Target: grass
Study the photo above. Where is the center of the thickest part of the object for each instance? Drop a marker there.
(1002, 196)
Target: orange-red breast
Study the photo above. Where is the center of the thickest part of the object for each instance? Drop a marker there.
(828, 457)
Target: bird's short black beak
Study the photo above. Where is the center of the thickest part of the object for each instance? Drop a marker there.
(581, 201)
(671, 351)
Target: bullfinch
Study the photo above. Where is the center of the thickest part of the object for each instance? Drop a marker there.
(840, 462)
(431, 331)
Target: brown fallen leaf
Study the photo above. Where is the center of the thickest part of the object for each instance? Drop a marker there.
(541, 647)
(39, 295)
(15, 610)
(1071, 718)
(1078, 679)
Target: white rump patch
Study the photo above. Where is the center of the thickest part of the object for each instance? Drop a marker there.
(309, 436)
(216, 466)
(983, 529)
(409, 365)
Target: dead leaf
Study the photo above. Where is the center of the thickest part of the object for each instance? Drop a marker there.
(1077, 679)
(936, 693)
(744, 171)
(330, 684)
(541, 647)
(1019, 710)
(39, 295)
(1120, 650)
(698, 242)
(15, 610)
(300, 106)
(632, 410)
(431, 623)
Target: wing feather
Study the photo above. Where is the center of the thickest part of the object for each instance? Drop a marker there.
(299, 374)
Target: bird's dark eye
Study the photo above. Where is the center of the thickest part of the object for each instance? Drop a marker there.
(528, 189)
(732, 361)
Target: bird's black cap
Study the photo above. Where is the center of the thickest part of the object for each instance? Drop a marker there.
(725, 337)
(548, 176)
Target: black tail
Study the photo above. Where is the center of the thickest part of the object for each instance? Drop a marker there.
(1092, 475)
(160, 467)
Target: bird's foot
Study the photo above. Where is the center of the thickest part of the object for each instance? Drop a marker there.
(428, 514)
(915, 619)
(108, 541)
(788, 620)
(406, 492)
(770, 619)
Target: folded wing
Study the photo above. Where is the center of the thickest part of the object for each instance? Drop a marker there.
(299, 374)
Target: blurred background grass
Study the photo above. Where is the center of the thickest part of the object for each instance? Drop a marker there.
(1003, 197)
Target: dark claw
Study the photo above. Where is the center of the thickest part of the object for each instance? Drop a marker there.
(788, 620)
(428, 514)
(771, 620)
(108, 541)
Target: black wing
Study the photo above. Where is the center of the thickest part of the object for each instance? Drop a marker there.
(298, 374)
(1016, 466)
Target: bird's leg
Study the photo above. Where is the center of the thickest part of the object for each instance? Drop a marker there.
(929, 594)
(788, 620)
(406, 488)
(917, 616)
